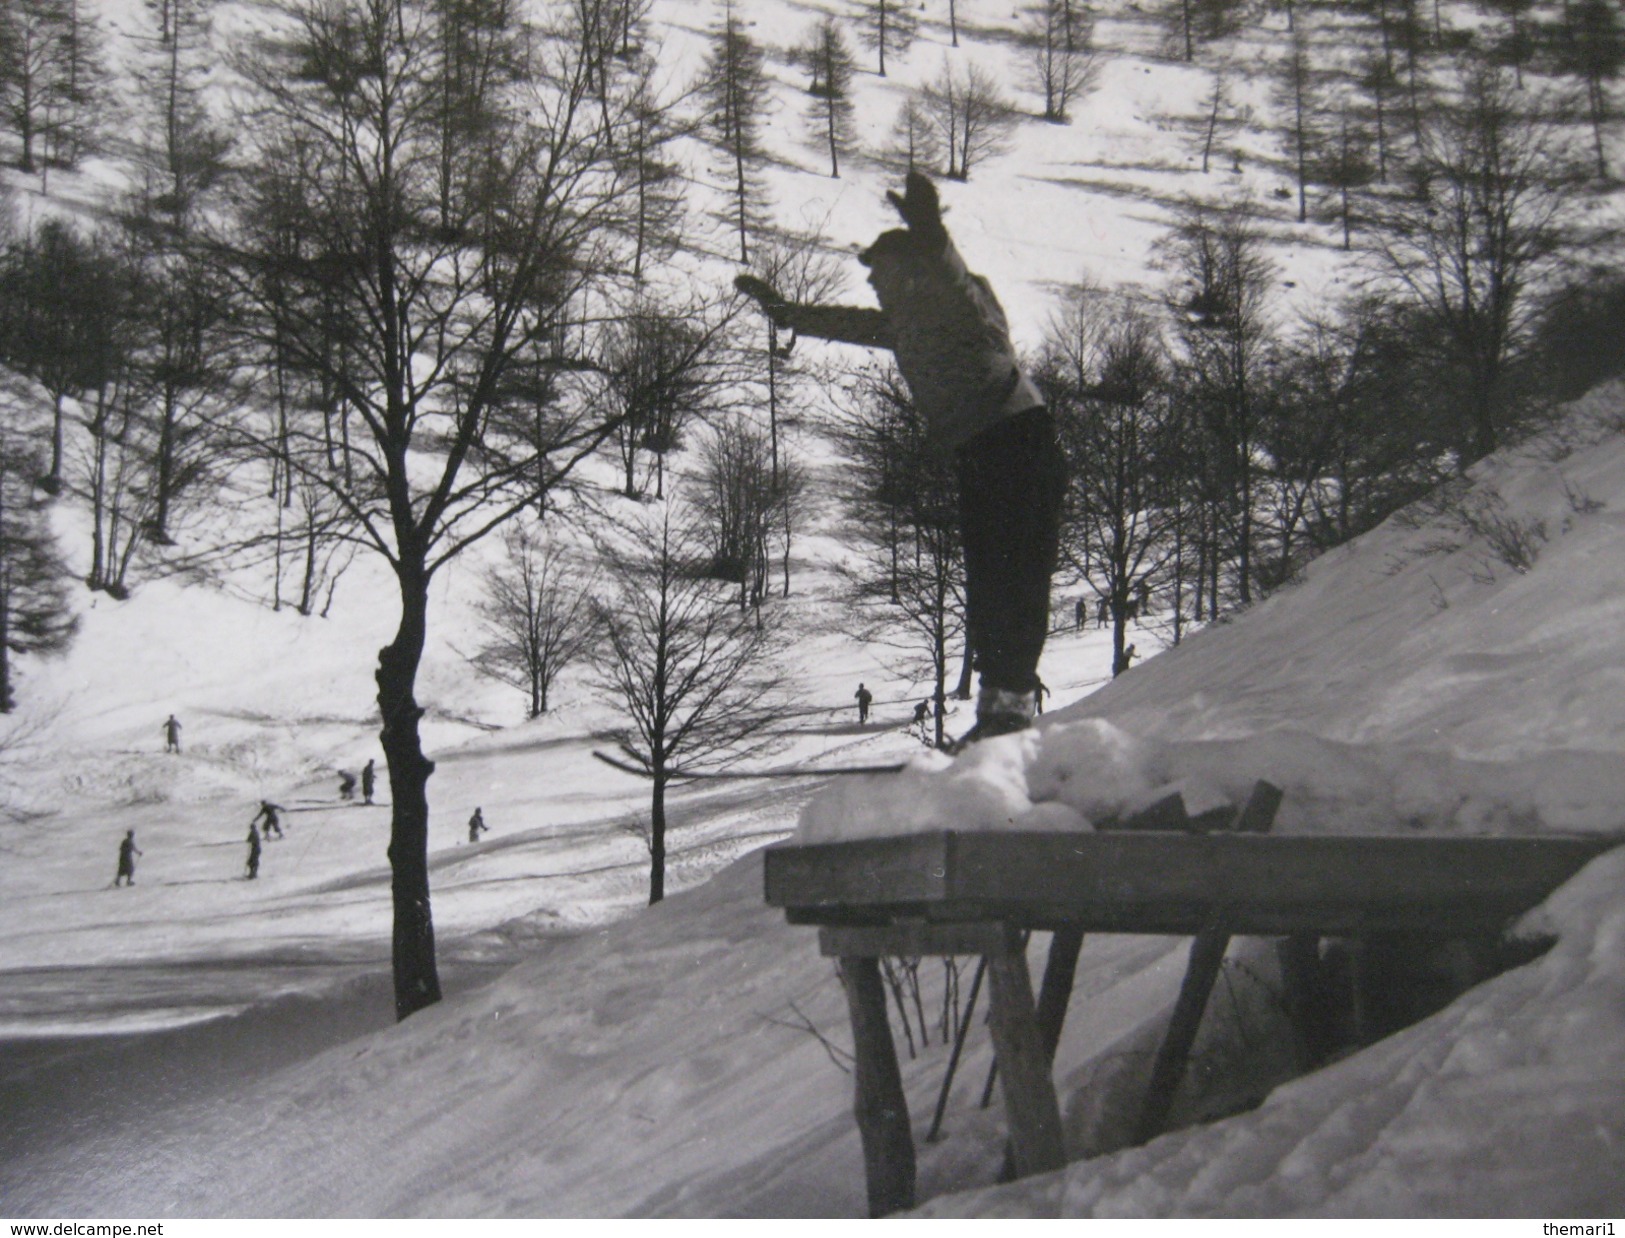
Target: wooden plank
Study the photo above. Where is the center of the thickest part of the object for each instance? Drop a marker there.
(904, 869)
(1181, 883)
(1031, 1109)
(911, 939)
(1257, 815)
(1167, 813)
(879, 1104)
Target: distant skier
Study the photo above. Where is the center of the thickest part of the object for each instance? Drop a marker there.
(253, 853)
(863, 696)
(268, 813)
(346, 785)
(367, 777)
(921, 711)
(951, 341)
(477, 826)
(172, 734)
(1103, 612)
(1122, 663)
(1039, 693)
(1080, 613)
(1142, 598)
(127, 851)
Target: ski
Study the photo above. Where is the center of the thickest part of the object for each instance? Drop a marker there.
(781, 771)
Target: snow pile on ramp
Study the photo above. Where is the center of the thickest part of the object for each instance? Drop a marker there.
(1072, 775)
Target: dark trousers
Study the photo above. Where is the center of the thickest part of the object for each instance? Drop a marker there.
(1012, 479)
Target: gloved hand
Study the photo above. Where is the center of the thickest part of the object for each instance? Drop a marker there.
(921, 210)
(765, 295)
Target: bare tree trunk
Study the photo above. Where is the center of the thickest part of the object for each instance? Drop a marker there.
(657, 838)
(417, 983)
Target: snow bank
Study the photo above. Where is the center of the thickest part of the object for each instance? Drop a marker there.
(1070, 775)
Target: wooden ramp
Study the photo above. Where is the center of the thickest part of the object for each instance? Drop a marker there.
(980, 893)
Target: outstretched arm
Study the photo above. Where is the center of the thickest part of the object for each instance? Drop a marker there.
(847, 324)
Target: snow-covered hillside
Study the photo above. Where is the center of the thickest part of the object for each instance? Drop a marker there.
(671, 1063)
(201, 1045)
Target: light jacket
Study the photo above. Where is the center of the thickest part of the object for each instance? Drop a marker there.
(947, 329)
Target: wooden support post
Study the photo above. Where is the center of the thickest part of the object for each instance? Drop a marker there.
(960, 1034)
(1304, 989)
(879, 1103)
(1054, 995)
(1030, 1106)
(1207, 956)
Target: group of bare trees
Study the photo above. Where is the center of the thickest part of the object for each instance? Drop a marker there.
(1216, 446)
(52, 80)
(906, 587)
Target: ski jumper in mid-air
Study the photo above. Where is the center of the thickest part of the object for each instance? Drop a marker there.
(952, 344)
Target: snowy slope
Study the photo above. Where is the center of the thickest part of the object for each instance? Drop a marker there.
(659, 1065)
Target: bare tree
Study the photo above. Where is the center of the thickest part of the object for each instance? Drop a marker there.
(1103, 373)
(1294, 86)
(442, 329)
(43, 47)
(538, 617)
(1377, 83)
(1059, 55)
(734, 90)
(1488, 223)
(1593, 49)
(182, 147)
(829, 63)
(663, 366)
(888, 26)
(180, 367)
(907, 587)
(972, 117)
(1224, 328)
(808, 274)
(740, 500)
(56, 320)
(696, 678)
(35, 617)
(914, 144)
(1201, 21)
(657, 182)
(1343, 165)
(1220, 117)
(320, 540)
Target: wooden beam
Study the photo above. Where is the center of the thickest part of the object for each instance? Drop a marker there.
(1168, 882)
(910, 939)
(879, 1103)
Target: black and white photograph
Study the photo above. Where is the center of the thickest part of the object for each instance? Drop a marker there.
(616, 610)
